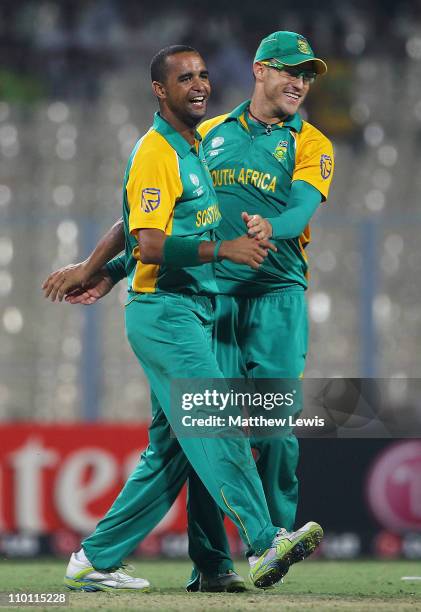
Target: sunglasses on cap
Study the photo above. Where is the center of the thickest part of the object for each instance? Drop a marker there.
(308, 76)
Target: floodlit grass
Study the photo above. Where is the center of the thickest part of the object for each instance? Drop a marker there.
(360, 586)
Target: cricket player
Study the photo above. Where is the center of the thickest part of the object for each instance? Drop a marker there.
(170, 216)
(271, 170)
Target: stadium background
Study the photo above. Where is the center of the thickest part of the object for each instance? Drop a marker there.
(74, 97)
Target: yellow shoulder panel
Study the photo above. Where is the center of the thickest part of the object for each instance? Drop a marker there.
(205, 127)
(314, 161)
(154, 184)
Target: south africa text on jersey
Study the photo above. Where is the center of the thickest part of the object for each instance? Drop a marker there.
(246, 176)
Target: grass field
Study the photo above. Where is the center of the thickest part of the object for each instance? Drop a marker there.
(360, 586)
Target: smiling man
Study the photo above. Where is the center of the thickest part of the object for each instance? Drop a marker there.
(271, 170)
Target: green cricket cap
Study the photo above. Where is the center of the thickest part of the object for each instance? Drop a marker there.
(289, 49)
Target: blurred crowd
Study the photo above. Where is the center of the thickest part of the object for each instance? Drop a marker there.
(61, 48)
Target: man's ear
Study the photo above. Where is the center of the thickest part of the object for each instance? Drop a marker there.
(258, 70)
(159, 90)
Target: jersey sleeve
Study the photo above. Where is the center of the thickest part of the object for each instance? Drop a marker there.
(314, 160)
(116, 268)
(153, 187)
(303, 202)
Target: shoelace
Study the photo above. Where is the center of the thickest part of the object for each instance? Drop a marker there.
(282, 534)
(123, 573)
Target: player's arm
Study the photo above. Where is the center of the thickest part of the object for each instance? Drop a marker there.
(302, 204)
(100, 283)
(116, 268)
(181, 252)
(75, 276)
(153, 188)
(310, 186)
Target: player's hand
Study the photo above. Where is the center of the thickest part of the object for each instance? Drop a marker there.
(257, 226)
(246, 250)
(93, 290)
(64, 280)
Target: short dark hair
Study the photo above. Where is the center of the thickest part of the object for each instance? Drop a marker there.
(159, 61)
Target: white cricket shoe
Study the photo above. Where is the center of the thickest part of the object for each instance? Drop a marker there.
(81, 576)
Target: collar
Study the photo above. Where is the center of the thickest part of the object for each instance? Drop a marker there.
(294, 122)
(174, 138)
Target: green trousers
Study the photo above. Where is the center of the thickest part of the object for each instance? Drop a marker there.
(171, 336)
(263, 337)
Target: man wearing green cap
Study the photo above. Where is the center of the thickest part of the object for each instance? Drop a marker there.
(271, 171)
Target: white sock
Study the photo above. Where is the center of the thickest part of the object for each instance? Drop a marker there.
(80, 556)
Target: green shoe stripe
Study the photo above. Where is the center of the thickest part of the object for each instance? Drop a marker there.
(84, 572)
(78, 585)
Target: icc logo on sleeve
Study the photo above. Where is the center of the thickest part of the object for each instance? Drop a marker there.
(216, 142)
(325, 166)
(151, 199)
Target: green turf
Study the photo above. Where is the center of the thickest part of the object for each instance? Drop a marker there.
(360, 586)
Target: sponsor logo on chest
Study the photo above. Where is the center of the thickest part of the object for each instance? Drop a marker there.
(208, 216)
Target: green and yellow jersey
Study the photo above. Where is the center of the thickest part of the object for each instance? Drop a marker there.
(167, 186)
(253, 171)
